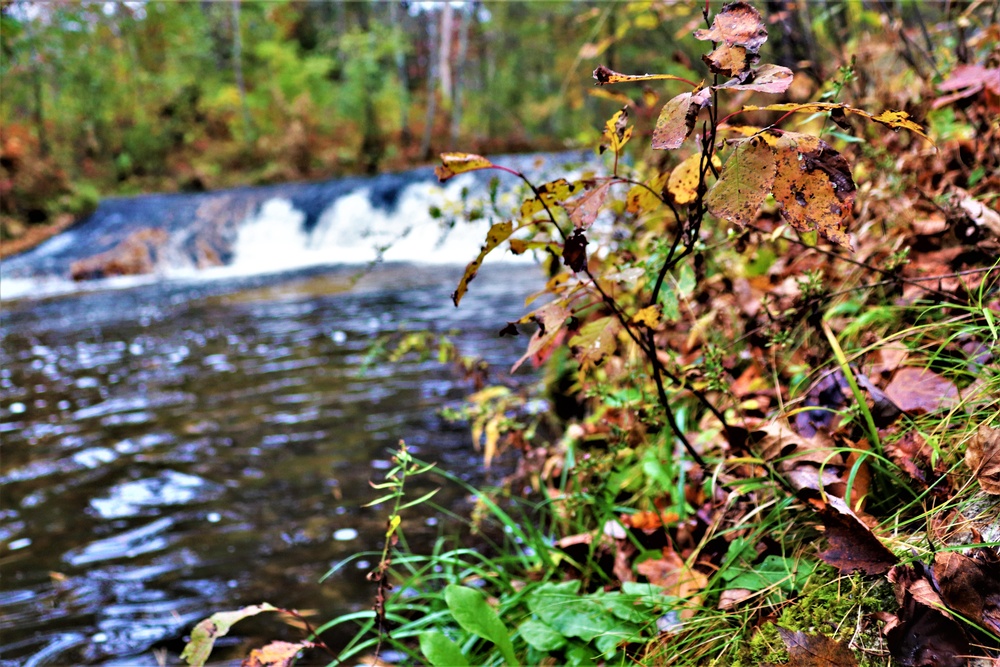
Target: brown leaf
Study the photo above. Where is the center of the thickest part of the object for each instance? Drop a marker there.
(765, 79)
(729, 61)
(744, 183)
(583, 211)
(853, 546)
(550, 319)
(575, 251)
(815, 650)
(677, 118)
(983, 458)
(918, 390)
(970, 586)
(925, 636)
(737, 24)
(812, 185)
(676, 578)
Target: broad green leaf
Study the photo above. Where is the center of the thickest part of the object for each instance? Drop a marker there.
(498, 233)
(562, 609)
(453, 164)
(441, 651)
(217, 625)
(786, 574)
(469, 608)
(812, 185)
(744, 183)
(540, 636)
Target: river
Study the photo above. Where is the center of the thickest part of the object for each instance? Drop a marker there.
(178, 446)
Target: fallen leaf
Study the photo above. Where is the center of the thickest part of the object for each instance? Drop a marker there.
(853, 546)
(815, 650)
(676, 578)
(919, 390)
(983, 458)
(925, 636)
(970, 586)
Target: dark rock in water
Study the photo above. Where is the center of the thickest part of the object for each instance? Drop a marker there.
(136, 255)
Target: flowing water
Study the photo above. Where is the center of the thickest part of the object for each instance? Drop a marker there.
(180, 447)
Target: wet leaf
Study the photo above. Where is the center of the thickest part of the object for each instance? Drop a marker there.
(919, 390)
(683, 182)
(459, 163)
(595, 341)
(744, 183)
(583, 211)
(275, 654)
(812, 185)
(853, 546)
(498, 233)
(605, 76)
(737, 24)
(677, 119)
(204, 634)
(983, 458)
(765, 79)
(672, 574)
(575, 251)
(815, 650)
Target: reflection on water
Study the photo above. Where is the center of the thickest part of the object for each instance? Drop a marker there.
(171, 451)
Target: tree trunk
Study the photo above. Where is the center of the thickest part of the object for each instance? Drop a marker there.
(444, 54)
(432, 80)
(36, 89)
(459, 83)
(248, 127)
(404, 80)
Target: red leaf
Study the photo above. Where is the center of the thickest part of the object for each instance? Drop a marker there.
(918, 390)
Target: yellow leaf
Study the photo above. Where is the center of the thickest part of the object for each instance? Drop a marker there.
(744, 183)
(605, 76)
(492, 438)
(595, 341)
(641, 200)
(549, 194)
(394, 522)
(650, 316)
(275, 654)
(684, 179)
(498, 233)
(453, 164)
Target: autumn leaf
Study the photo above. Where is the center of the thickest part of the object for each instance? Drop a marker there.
(459, 163)
(919, 390)
(677, 579)
(684, 179)
(744, 183)
(595, 341)
(549, 194)
(738, 24)
(650, 316)
(983, 457)
(616, 131)
(923, 633)
(815, 650)
(729, 61)
(605, 76)
(583, 211)
(575, 251)
(550, 319)
(812, 185)
(498, 233)
(765, 79)
(642, 199)
(217, 625)
(677, 119)
(853, 546)
(275, 654)
(894, 120)
(970, 586)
